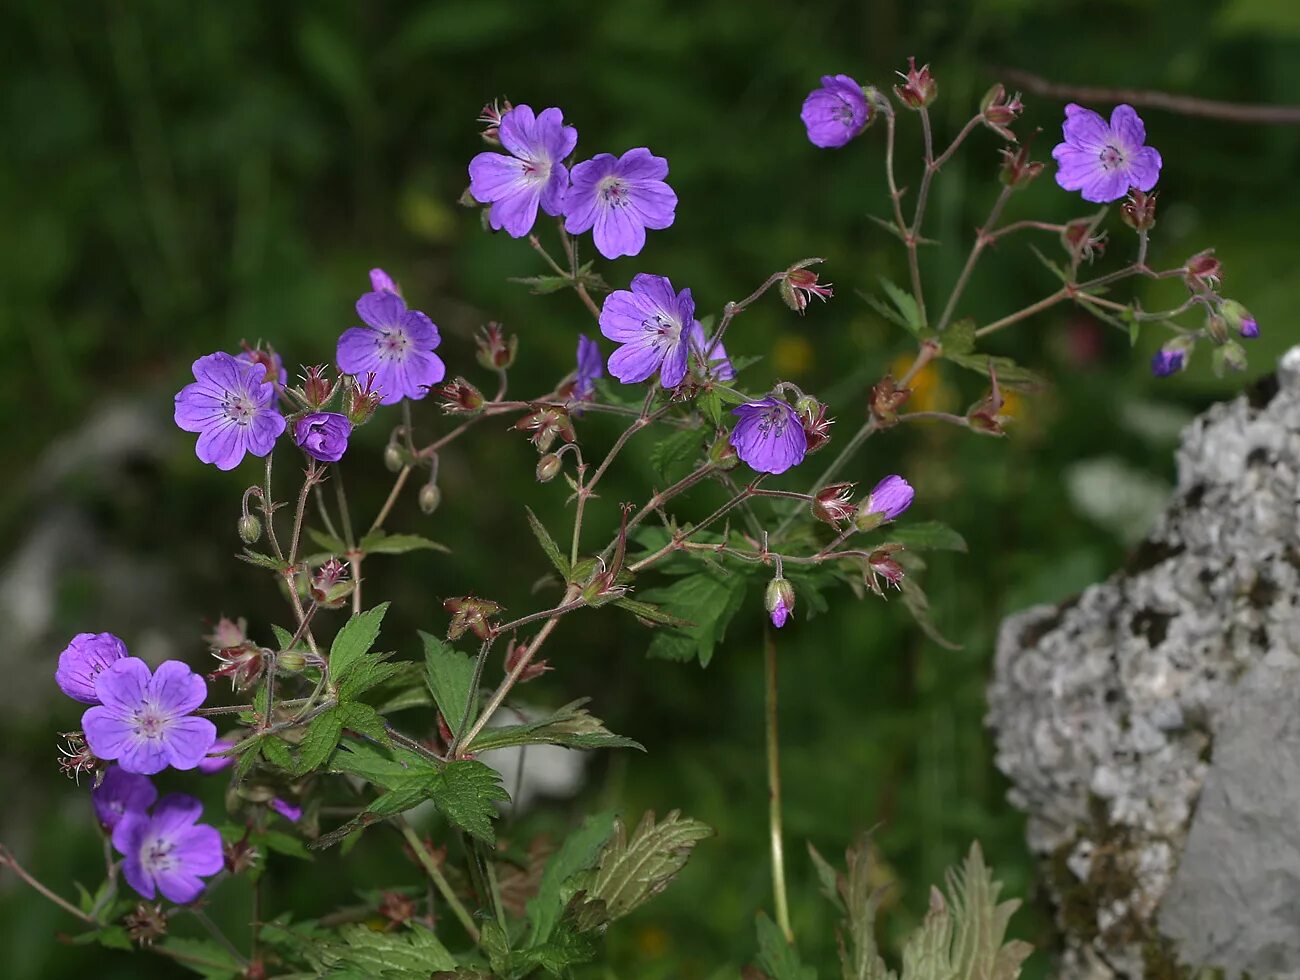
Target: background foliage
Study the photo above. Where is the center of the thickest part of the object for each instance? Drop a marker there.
(178, 177)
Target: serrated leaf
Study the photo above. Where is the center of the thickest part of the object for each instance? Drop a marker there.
(354, 641)
(906, 305)
(327, 541)
(283, 637)
(261, 560)
(320, 739)
(927, 536)
(365, 674)
(248, 757)
(276, 751)
(449, 674)
(959, 337)
(578, 853)
(549, 547)
(414, 953)
(466, 793)
(571, 727)
(364, 719)
(380, 543)
(708, 602)
(675, 455)
(112, 937)
(542, 285)
(386, 768)
(1010, 374)
(631, 871)
(980, 923)
(1054, 268)
(710, 404)
(777, 958)
(650, 613)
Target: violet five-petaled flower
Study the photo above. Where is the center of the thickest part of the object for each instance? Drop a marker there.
(618, 198)
(83, 660)
(531, 176)
(590, 367)
(144, 721)
(836, 112)
(1167, 362)
(232, 407)
(119, 793)
(323, 435)
(769, 437)
(396, 345)
(1103, 160)
(214, 761)
(169, 852)
(651, 321)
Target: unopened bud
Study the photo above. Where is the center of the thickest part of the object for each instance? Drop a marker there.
(393, 461)
(779, 601)
(291, 661)
(548, 468)
(1018, 168)
(250, 529)
(1216, 327)
(459, 397)
(890, 497)
(490, 118)
(1229, 357)
(881, 565)
(1239, 319)
(493, 349)
(919, 87)
(997, 111)
(330, 585)
(316, 387)
(361, 399)
(1202, 272)
(429, 498)
(1139, 210)
(722, 454)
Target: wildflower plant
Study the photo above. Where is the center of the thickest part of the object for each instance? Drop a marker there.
(324, 739)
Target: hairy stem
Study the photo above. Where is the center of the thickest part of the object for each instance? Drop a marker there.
(774, 787)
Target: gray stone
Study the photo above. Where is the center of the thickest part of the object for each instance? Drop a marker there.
(1146, 726)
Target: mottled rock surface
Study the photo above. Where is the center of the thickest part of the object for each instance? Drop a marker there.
(1150, 727)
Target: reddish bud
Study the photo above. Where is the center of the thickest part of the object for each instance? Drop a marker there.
(458, 397)
(886, 399)
(881, 565)
(240, 856)
(145, 923)
(799, 286)
(1202, 272)
(1139, 210)
(816, 426)
(317, 387)
(493, 349)
(998, 111)
(490, 119)
(919, 87)
(1018, 169)
(545, 424)
(361, 399)
(834, 504)
(469, 614)
(243, 664)
(330, 584)
(397, 908)
(536, 668)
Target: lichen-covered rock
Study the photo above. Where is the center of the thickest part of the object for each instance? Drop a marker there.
(1127, 719)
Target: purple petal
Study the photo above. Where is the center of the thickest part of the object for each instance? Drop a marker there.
(119, 793)
(381, 281)
(83, 660)
(186, 741)
(516, 212)
(286, 809)
(141, 755)
(261, 433)
(381, 309)
(358, 350)
(1127, 125)
(634, 362)
(420, 330)
(214, 762)
(617, 232)
(197, 407)
(1085, 128)
(655, 204)
(518, 131)
(1144, 168)
(179, 886)
(223, 445)
(493, 176)
(641, 164)
(108, 734)
(199, 850)
(554, 192)
(1105, 186)
(176, 812)
(176, 689)
(674, 367)
(122, 686)
(557, 138)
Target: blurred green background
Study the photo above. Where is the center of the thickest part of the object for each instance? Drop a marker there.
(177, 177)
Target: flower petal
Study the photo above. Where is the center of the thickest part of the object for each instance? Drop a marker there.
(358, 350)
(381, 309)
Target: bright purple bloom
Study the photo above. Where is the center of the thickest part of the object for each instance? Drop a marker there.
(836, 112)
(1167, 362)
(769, 436)
(145, 721)
(286, 809)
(888, 499)
(1249, 328)
(531, 175)
(720, 368)
(81, 662)
(650, 321)
(214, 761)
(120, 793)
(1102, 161)
(382, 282)
(619, 198)
(232, 407)
(169, 852)
(323, 435)
(590, 367)
(396, 345)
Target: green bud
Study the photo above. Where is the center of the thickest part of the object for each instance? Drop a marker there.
(548, 468)
(291, 661)
(250, 529)
(393, 458)
(429, 498)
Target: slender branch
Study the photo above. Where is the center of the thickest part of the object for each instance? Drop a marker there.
(7, 860)
(218, 935)
(774, 787)
(983, 238)
(1045, 303)
(439, 880)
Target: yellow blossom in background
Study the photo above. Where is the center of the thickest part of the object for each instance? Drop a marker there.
(792, 355)
(652, 942)
(929, 393)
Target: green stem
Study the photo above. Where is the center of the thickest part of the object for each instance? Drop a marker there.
(774, 788)
(439, 880)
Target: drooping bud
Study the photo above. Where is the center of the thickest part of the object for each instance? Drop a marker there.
(469, 614)
(1172, 357)
(361, 399)
(515, 653)
(1239, 319)
(548, 468)
(919, 87)
(331, 584)
(886, 399)
(816, 426)
(1216, 327)
(393, 460)
(779, 601)
(1139, 210)
(493, 349)
(250, 529)
(240, 856)
(429, 498)
(1231, 356)
(834, 504)
(458, 397)
(882, 565)
(145, 924)
(890, 498)
(490, 119)
(545, 424)
(1202, 272)
(997, 111)
(800, 285)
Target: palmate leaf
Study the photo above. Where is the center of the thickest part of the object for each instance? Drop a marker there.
(674, 456)
(631, 871)
(354, 641)
(708, 602)
(413, 954)
(570, 726)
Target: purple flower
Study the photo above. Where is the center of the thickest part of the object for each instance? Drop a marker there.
(619, 198)
(323, 435)
(1167, 362)
(1103, 161)
(81, 662)
(144, 720)
(836, 112)
(120, 793)
(532, 174)
(214, 761)
(590, 367)
(769, 437)
(286, 809)
(1249, 328)
(396, 345)
(169, 852)
(382, 282)
(886, 501)
(232, 407)
(779, 601)
(649, 321)
(720, 368)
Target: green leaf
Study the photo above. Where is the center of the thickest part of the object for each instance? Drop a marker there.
(365, 674)
(364, 719)
(112, 937)
(1010, 374)
(282, 843)
(276, 751)
(319, 740)
(710, 403)
(204, 957)
(980, 923)
(708, 602)
(261, 560)
(918, 604)
(652, 614)
(959, 337)
(248, 757)
(927, 536)
(283, 638)
(578, 853)
(905, 303)
(1053, 267)
(549, 547)
(413, 953)
(777, 958)
(380, 543)
(631, 871)
(449, 674)
(466, 792)
(674, 456)
(571, 727)
(387, 768)
(327, 541)
(354, 641)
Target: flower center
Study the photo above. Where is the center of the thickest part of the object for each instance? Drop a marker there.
(843, 112)
(240, 409)
(393, 345)
(772, 421)
(612, 191)
(536, 171)
(156, 855)
(150, 722)
(665, 329)
(1111, 156)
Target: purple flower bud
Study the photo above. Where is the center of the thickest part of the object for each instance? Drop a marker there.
(1167, 362)
(886, 502)
(85, 657)
(836, 112)
(779, 601)
(1249, 328)
(286, 809)
(119, 793)
(1239, 318)
(323, 435)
